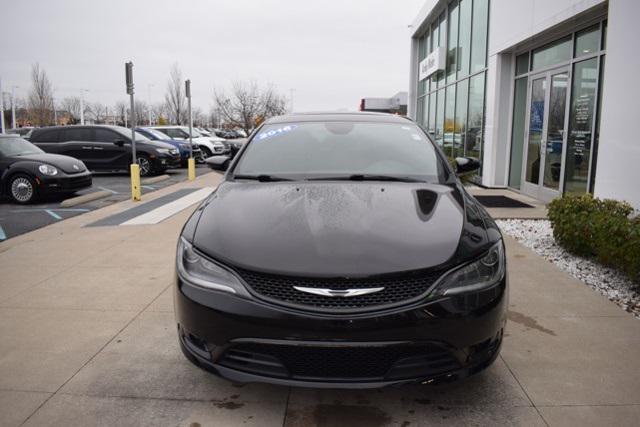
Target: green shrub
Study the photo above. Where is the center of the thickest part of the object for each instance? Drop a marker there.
(598, 228)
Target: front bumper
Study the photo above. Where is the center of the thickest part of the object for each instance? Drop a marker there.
(65, 183)
(167, 162)
(252, 341)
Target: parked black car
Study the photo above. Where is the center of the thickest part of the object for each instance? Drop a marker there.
(106, 148)
(27, 172)
(354, 258)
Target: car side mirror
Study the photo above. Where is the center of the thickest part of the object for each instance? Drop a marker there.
(119, 142)
(219, 163)
(465, 165)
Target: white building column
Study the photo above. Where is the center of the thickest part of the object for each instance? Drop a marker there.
(617, 170)
(499, 79)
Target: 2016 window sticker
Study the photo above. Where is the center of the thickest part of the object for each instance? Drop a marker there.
(274, 132)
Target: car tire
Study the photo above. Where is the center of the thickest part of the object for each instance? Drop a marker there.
(206, 153)
(22, 189)
(146, 167)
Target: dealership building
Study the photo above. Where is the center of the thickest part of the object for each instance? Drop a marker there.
(542, 91)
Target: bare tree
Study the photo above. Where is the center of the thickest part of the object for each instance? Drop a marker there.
(175, 99)
(141, 111)
(248, 105)
(40, 101)
(97, 112)
(121, 112)
(72, 106)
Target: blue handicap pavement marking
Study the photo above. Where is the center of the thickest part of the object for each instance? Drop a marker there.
(3, 236)
(51, 212)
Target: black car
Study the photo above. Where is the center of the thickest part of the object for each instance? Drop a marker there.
(107, 148)
(235, 146)
(354, 258)
(27, 172)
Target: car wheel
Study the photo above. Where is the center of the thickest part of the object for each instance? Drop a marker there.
(22, 189)
(145, 166)
(206, 153)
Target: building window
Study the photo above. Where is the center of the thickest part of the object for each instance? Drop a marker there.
(581, 116)
(522, 64)
(464, 38)
(452, 42)
(551, 54)
(475, 118)
(480, 26)
(451, 107)
(566, 71)
(460, 123)
(440, 118)
(517, 129)
(587, 41)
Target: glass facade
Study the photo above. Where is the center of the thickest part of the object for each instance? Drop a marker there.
(555, 121)
(451, 102)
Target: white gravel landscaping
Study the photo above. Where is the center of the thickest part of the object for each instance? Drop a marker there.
(537, 235)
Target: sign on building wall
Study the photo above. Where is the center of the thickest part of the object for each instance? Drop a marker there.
(433, 62)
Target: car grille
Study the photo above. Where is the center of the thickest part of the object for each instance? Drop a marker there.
(398, 289)
(304, 362)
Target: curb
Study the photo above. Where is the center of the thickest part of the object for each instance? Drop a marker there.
(75, 201)
(155, 179)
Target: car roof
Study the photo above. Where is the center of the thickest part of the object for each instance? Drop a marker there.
(82, 126)
(333, 116)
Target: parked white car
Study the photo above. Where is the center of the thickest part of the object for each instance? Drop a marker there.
(209, 146)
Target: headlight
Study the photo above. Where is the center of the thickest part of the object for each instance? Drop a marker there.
(184, 146)
(197, 270)
(48, 170)
(163, 150)
(475, 276)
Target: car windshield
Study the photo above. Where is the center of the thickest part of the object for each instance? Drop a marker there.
(344, 150)
(156, 134)
(17, 147)
(194, 133)
(127, 133)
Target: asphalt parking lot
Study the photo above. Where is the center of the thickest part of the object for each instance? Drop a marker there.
(18, 219)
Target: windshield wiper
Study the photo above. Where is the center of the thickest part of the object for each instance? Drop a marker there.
(262, 178)
(366, 177)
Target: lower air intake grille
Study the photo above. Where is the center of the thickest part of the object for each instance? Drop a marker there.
(392, 362)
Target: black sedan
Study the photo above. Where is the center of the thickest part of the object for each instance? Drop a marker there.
(354, 258)
(27, 172)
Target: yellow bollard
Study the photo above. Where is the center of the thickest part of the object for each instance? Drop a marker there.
(192, 168)
(135, 183)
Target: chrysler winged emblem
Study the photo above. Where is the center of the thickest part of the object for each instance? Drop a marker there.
(342, 293)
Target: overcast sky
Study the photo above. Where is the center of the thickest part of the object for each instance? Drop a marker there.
(331, 52)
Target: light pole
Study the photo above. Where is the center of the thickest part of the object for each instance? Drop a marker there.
(191, 162)
(55, 113)
(13, 106)
(135, 167)
(82, 91)
(2, 129)
(149, 86)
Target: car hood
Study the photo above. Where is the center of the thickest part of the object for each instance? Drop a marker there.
(331, 229)
(156, 143)
(65, 163)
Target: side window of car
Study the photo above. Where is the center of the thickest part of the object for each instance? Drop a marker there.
(47, 135)
(106, 135)
(76, 134)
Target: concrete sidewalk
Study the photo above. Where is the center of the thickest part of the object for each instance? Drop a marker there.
(89, 338)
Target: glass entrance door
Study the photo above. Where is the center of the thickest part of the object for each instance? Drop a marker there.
(545, 136)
